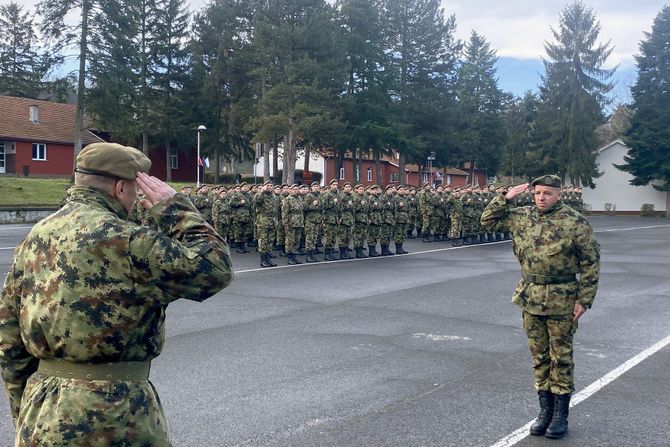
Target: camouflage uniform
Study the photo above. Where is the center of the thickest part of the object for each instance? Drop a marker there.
(559, 259)
(388, 221)
(426, 209)
(345, 223)
(221, 216)
(402, 221)
(330, 204)
(375, 207)
(456, 217)
(89, 286)
(360, 231)
(203, 202)
(413, 203)
(293, 219)
(240, 207)
(313, 218)
(438, 221)
(266, 217)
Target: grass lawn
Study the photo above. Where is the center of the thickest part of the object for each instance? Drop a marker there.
(18, 192)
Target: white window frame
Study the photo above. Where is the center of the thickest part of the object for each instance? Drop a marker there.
(174, 159)
(369, 177)
(358, 174)
(394, 177)
(43, 147)
(425, 177)
(341, 173)
(448, 179)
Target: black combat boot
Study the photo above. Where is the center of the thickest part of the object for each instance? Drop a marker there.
(559, 423)
(467, 240)
(399, 250)
(291, 259)
(241, 248)
(329, 255)
(295, 258)
(500, 237)
(410, 234)
(264, 262)
(344, 253)
(438, 238)
(282, 250)
(386, 251)
(372, 251)
(483, 239)
(546, 412)
(271, 255)
(359, 253)
(310, 257)
(457, 242)
(268, 259)
(253, 243)
(426, 237)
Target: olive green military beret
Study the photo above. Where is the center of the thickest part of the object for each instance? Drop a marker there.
(295, 185)
(346, 183)
(304, 186)
(314, 183)
(389, 187)
(333, 181)
(267, 182)
(112, 160)
(553, 181)
(242, 184)
(358, 185)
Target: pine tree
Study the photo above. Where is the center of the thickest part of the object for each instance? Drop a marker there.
(23, 64)
(573, 93)
(648, 159)
(519, 120)
(479, 105)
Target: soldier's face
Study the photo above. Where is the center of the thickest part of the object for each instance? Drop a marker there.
(315, 188)
(126, 192)
(546, 196)
(268, 187)
(347, 188)
(304, 191)
(334, 186)
(359, 190)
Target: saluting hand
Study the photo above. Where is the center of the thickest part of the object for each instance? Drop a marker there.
(155, 190)
(518, 189)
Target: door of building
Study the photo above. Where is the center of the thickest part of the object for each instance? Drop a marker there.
(2, 157)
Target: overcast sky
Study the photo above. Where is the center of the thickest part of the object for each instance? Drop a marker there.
(517, 30)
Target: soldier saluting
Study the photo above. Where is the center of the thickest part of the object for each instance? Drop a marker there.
(560, 260)
(83, 305)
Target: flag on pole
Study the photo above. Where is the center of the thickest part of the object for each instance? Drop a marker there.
(200, 163)
(206, 162)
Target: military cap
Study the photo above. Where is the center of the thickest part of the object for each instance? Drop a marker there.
(304, 185)
(333, 181)
(112, 160)
(242, 184)
(295, 185)
(284, 185)
(267, 182)
(553, 181)
(315, 183)
(346, 183)
(390, 186)
(204, 185)
(358, 185)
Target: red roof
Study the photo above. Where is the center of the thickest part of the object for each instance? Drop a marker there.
(55, 123)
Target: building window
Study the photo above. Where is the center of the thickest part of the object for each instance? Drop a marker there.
(394, 177)
(342, 172)
(448, 179)
(369, 174)
(39, 151)
(425, 177)
(174, 159)
(358, 174)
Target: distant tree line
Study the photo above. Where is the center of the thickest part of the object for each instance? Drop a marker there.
(358, 77)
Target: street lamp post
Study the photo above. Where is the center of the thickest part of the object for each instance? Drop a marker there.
(430, 159)
(197, 172)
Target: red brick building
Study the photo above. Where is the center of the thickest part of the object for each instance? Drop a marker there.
(37, 137)
(415, 175)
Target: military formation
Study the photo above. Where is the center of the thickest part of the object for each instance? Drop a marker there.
(347, 221)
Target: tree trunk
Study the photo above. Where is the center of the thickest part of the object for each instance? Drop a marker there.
(667, 204)
(378, 168)
(308, 152)
(356, 163)
(168, 171)
(145, 143)
(340, 163)
(401, 168)
(217, 168)
(83, 54)
(289, 158)
(266, 162)
(275, 160)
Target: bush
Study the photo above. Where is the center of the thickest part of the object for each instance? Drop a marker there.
(647, 210)
(610, 208)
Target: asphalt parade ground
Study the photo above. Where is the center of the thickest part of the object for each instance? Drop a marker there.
(423, 349)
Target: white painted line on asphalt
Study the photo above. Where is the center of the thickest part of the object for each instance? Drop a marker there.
(7, 228)
(7, 248)
(633, 228)
(590, 390)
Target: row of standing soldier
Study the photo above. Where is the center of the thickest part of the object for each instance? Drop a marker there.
(298, 219)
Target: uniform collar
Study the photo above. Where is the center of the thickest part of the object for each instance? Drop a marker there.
(85, 194)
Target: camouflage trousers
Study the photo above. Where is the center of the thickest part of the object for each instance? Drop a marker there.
(359, 234)
(91, 413)
(374, 234)
(550, 343)
(468, 226)
(242, 231)
(266, 236)
(311, 234)
(386, 234)
(329, 234)
(455, 227)
(400, 232)
(293, 236)
(281, 234)
(425, 223)
(344, 235)
(437, 224)
(222, 228)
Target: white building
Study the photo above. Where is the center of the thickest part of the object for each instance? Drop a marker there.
(316, 163)
(614, 185)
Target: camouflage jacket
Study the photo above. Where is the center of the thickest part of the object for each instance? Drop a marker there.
(388, 209)
(360, 209)
(87, 285)
(240, 207)
(267, 211)
(203, 203)
(313, 210)
(559, 241)
(375, 207)
(403, 209)
(292, 212)
(330, 203)
(346, 217)
(221, 214)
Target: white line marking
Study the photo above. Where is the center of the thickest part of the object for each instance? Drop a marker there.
(7, 248)
(590, 390)
(633, 228)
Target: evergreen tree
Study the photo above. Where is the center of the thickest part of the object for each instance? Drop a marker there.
(573, 94)
(481, 131)
(423, 56)
(519, 120)
(648, 159)
(53, 13)
(24, 66)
